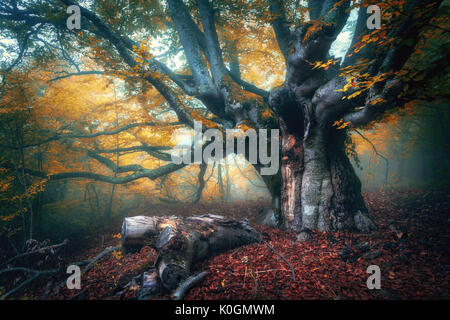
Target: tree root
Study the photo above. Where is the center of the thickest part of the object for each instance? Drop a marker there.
(187, 284)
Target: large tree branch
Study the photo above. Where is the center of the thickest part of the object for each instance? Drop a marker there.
(248, 86)
(392, 60)
(195, 43)
(43, 250)
(121, 43)
(384, 93)
(280, 26)
(80, 73)
(212, 41)
(189, 35)
(139, 173)
(124, 47)
(31, 20)
(93, 24)
(410, 27)
(91, 135)
(314, 8)
(335, 12)
(360, 30)
(144, 173)
(154, 151)
(329, 103)
(312, 42)
(370, 111)
(386, 175)
(112, 165)
(134, 149)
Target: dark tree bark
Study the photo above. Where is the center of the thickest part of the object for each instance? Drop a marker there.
(201, 182)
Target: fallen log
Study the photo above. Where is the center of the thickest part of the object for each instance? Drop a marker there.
(181, 241)
(150, 285)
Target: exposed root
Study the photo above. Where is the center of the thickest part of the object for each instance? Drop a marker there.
(187, 284)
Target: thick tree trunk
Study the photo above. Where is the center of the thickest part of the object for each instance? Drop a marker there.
(317, 189)
(348, 210)
(331, 196)
(320, 189)
(182, 241)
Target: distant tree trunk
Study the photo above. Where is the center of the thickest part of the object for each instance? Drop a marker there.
(108, 210)
(401, 170)
(220, 182)
(228, 187)
(37, 201)
(201, 182)
(91, 196)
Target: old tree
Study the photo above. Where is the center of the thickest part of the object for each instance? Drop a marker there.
(218, 56)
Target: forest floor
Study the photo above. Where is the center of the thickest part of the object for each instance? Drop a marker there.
(411, 247)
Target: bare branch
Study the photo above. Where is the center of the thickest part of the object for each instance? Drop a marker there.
(144, 173)
(40, 250)
(282, 257)
(386, 176)
(312, 42)
(80, 73)
(35, 275)
(91, 263)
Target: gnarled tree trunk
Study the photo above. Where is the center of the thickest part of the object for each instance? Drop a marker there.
(319, 189)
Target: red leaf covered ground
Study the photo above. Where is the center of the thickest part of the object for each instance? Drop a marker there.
(411, 247)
